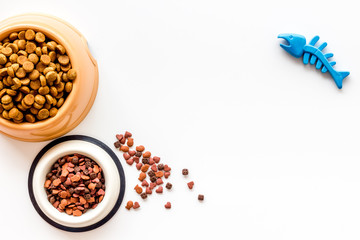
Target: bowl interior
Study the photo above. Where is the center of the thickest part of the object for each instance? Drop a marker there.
(56, 36)
(111, 175)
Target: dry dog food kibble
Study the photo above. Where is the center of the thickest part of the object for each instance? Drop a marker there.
(168, 185)
(201, 197)
(129, 205)
(159, 189)
(143, 195)
(148, 190)
(159, 181)
(136, 205)
(149, 166)
(168, 205)
(145, 183)
(35, 77)
(138, 189)
(75, 184)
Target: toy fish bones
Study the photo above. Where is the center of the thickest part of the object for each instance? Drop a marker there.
(297, 47)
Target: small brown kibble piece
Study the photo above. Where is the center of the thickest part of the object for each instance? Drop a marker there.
(146, 154)
(142, 176)
(47, 183)
(117, 144)
(20, 73)
(14, 112)
(29, 99)
(39, 99)
(156, 159)
(33, 58)
(7, 51)
(153, 179)
(56, 182)
(63, 60)
(30, 118)
(168, 186)
(130, 142)
(138, 189)
(69, 211)
(13, 36)
(43, 114)
(6, 99)
(159, 174)
(136, 205)
(45, 59)
(71, 74)
(28, 66)
(124, 148)
(140, 148)
(3, 59)
(145, 167)
(21, 60)
(185, 172)
(51, 76)
(29, 34)
(60, 49)
(190, 185)
(44, 90)
(168, 205)
(53, 112)
(201, 197)
(30, 47)
(129, 205)
(77, 213)
(63, 194)
(39, 37)
(92, 186)
(68, 88)
(143, 195)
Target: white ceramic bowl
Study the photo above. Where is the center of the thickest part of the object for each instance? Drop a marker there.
(113, 174)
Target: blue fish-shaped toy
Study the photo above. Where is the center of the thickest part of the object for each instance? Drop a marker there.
(297, 47)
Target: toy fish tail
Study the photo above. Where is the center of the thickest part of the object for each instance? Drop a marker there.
(339, 78)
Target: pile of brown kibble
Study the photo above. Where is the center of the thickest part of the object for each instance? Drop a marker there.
(35, 76)
(149, 166)
(75, 184)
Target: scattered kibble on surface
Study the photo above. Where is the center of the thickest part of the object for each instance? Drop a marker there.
(150, 169)
(129, 205)
(138, 189)
(168, 185)
(143, 195)
(136, 205)
(168, 205)
(159, 189)
(201, 197)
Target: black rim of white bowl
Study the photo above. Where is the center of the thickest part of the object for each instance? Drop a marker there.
(114, 158)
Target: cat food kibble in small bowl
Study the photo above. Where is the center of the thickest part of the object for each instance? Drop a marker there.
(75, 184)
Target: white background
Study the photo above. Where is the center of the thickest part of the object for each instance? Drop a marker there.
(272, 143)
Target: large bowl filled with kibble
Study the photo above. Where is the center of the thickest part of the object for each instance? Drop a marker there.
(48, 78)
